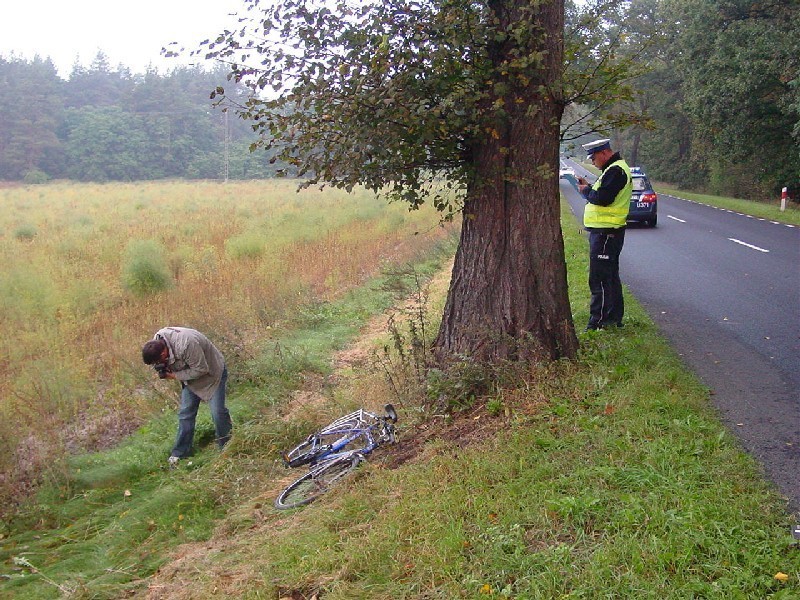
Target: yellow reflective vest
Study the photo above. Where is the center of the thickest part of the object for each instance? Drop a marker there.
(615, 215)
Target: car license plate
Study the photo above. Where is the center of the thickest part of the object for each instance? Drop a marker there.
(642, 205)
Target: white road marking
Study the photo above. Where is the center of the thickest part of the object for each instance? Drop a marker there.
(675, 219)
(730, 211)
(748, 245)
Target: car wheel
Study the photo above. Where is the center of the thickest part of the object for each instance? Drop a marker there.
(653, 222)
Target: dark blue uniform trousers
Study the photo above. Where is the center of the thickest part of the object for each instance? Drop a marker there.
(607, 305)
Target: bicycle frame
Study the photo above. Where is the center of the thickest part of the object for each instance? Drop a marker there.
(349, 428)
(351, 436)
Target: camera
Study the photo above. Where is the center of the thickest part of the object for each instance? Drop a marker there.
(162, 370)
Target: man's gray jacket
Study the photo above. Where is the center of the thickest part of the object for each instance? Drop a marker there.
(194, 359)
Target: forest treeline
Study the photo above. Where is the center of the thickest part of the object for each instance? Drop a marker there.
(108, 124)
(716, 87)
(717, 83)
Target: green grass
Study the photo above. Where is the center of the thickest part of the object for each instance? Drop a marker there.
(621, 484)
(608, 478)
(145, 270)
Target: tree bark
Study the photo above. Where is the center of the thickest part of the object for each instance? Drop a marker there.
(508, 295)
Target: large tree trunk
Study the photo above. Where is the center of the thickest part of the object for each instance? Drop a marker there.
(508, 295)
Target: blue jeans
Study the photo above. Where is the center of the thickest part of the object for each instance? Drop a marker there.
(190, 403)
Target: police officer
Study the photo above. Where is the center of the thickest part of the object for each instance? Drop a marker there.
(605, 216)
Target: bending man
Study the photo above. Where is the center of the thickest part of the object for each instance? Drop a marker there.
(187, 355)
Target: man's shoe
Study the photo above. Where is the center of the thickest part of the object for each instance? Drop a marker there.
(173, 461)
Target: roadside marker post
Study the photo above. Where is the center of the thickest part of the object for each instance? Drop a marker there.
(784, 196)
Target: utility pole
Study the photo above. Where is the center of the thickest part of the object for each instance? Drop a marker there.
(227, 136)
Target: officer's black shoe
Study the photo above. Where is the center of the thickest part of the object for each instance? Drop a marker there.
(596, 326)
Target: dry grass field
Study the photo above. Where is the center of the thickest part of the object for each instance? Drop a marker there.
(90, 271)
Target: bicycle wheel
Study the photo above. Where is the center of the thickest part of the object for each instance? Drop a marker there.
(317, 481)
(351, 421)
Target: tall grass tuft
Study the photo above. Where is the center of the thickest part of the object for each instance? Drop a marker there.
(246, 245)
(145, 270)
(25, 232)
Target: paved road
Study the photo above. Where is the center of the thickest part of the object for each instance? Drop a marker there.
(725, 290)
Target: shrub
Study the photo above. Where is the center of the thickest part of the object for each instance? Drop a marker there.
(145, 270)
(246, 245)
(29, 298)
(25, 232)
(35, 176)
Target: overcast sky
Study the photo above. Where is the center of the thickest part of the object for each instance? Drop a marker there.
(128, 32)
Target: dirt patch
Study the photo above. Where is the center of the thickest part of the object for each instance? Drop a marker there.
(193, 566)
(459, 431)
(316, 390)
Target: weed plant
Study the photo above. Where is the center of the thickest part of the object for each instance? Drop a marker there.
(25, 232)
(406, 360)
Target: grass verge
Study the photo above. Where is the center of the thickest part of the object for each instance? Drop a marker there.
(607, 478)
(610, 478)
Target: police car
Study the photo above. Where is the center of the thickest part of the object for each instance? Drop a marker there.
(644, 201)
